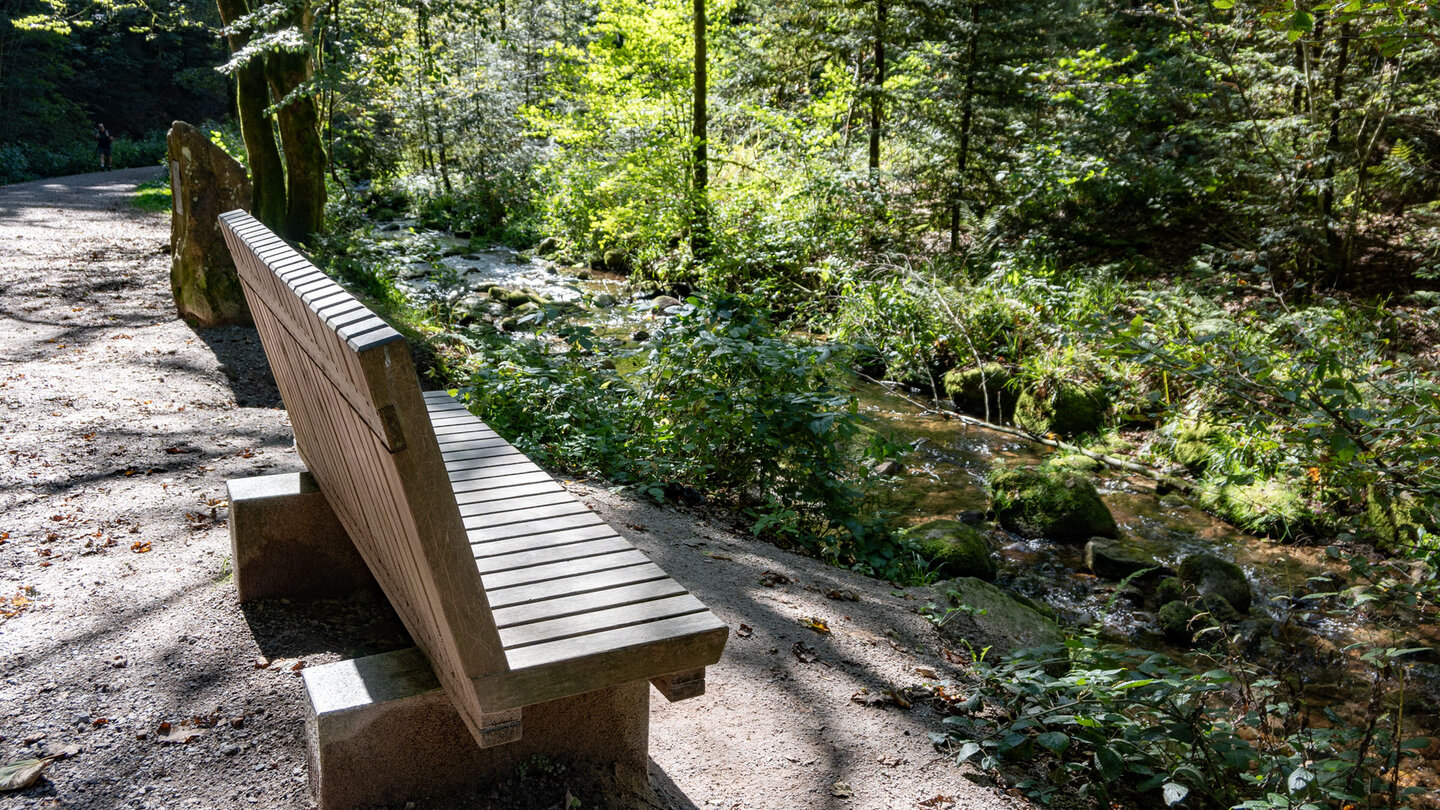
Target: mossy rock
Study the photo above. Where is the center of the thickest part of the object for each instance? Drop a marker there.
(1213, 577)
(1061, 505)
(992, 617)
(972, 388)
(953, 549)
(1396, 521)
(1179, 621)
(1193, 444)
(1271, 507)
(616, 261)
(1068, 410)
(1118, 559)
(1172, 589)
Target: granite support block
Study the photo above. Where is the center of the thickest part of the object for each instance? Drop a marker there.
(285, 541)
(381, 731)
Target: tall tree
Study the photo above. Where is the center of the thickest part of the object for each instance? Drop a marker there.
(700, 218)
(252, 98)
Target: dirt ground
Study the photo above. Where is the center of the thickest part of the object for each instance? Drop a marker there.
(120, 426)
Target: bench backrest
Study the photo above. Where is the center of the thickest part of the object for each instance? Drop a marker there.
(362, 429)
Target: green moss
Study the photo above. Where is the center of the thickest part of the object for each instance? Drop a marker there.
(1171, 589)
(1069, 410)
(1214, 578)
(1271, 507)
(1177, 620)
(953, 549)
(1075, 461)
(1000, 619)
(1396, 522)
(153, 195)
(1193, 444)
(971, 388)
(1061, 505)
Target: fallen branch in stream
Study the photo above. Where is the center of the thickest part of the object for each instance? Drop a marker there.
(1128, 465)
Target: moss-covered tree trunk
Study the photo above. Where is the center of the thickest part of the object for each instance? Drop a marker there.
(252, 97)
(699, 133)
(299, 124)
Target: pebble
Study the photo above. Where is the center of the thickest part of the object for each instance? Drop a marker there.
(230, 750)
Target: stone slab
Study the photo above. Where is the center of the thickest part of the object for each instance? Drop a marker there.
(285, 541)
(381, 731)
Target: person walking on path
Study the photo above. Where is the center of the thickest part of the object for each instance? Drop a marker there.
(102, 142)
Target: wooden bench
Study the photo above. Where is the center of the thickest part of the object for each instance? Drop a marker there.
(514, 590)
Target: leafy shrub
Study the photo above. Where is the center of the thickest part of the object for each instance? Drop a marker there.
(719, 404)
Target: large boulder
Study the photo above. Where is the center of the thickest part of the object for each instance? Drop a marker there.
(983, 391)
(204, 183)
(1068, 409)
(1215, 578)
(1117, 559)
(953, 549)
(986, 615)
(1058, 504)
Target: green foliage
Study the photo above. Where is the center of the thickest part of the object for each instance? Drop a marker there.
(1137, 725)
(154, 195)
(21, 162)
(719, 405)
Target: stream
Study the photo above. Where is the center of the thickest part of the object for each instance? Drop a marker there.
(945, 475)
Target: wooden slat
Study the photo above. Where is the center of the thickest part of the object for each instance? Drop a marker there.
(586, 602)
(501, 596)
(593, 553)
(598, 622)
(483, 546)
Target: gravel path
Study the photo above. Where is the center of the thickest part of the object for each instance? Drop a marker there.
(117, 614)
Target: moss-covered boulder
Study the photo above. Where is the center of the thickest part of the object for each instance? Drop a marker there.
(972, 389)
(1066, 409)
(1061, 505)
(1172, 589)
(1116, 559)
(1273, 507)
(1179, 621)
(986, 615)
(1395, 520)
(1214, 578)
(1193, 444)
(953, 549)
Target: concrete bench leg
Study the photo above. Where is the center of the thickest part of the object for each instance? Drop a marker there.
(285, 541)
(381, 731)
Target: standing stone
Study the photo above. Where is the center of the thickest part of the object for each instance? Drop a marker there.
(204, 183)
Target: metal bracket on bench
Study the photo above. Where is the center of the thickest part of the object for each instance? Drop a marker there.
(499, 728)
(681, 685)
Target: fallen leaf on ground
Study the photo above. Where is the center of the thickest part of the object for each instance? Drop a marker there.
(818, 625)
(20, 775)
(169, 734)
(744, 631)
(772, 578)
(938, 801)
(889, 762)
(841, 790)
(867, 698)
(846, 595)
(926, 672)
(139, 547)
(804, 652)
(715, 555)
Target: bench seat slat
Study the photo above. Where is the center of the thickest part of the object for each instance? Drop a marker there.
(565, 569)
(490, 545)
(587, 602)
(598, 621)
(501, 596)
(504, 501)
(588, 550)
(579, 647)
(518, 487)
(467, 490)
(534, 516)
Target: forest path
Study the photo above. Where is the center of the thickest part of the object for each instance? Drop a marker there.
(121, 425)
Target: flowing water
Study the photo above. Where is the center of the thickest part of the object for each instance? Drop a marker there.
(945, 476)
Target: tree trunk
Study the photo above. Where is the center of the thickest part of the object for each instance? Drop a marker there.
(299, 121)
(967, 116)
(876, 103)
(252, 98)
(427, 57)
(700, 177)
(1338, 251)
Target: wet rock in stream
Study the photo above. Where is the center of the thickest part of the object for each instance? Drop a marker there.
(1061, 505)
